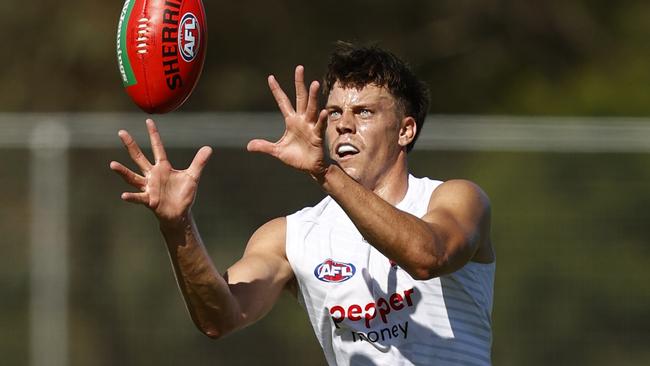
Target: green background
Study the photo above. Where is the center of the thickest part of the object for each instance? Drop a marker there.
(570, 230)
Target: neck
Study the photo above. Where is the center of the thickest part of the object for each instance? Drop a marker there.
(393, 184)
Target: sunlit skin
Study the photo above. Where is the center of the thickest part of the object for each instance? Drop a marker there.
(369, 120)
(367, 134)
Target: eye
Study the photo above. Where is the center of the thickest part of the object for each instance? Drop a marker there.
(334, 115)
(365, 113)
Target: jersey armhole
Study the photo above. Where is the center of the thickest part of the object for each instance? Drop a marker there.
(290, 252)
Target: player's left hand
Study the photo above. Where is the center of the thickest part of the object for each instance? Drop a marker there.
(301, 146)
(168, 192)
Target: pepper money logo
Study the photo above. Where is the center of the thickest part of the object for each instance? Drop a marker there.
(188, 37)
(333, 271)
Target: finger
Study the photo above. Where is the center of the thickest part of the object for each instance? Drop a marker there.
(134, 151)
(280, 97)
(159, 153)
(154, 185)
(128, 175)
(312, 105)
(321, 124)
(140, 197)
(262, 146)
(198, 163)
(301, 91)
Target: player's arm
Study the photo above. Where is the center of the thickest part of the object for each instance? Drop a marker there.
(217, 304)
(454, 230)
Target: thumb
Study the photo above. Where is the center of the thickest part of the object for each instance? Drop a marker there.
(199, 162)
(321, 124)
(263, 146)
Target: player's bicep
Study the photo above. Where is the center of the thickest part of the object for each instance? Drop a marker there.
(458, 214)
(258, 278)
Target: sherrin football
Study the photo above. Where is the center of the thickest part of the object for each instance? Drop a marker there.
(161, 47)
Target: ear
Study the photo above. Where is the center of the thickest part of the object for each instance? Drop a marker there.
(407, 131)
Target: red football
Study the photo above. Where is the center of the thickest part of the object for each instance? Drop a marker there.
(161, 47)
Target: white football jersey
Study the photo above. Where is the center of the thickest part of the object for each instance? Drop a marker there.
(365, 310)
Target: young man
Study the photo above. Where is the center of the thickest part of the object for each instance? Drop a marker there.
(392, 269)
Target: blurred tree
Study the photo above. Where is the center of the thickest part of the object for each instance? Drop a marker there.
(571, 230)
(574, 57)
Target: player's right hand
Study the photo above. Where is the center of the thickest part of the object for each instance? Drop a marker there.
(301, 146)
(168, 192)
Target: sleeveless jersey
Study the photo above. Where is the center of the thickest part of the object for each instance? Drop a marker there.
(366, 310)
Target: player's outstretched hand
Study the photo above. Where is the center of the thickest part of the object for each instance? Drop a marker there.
(168, 192)
(301, 146)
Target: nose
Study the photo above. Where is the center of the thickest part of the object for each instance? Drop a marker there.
(346, 123)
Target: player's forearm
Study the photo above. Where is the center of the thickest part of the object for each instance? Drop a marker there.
(212, 306)
(400, 236)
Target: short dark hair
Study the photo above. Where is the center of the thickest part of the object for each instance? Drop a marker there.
(353, 66)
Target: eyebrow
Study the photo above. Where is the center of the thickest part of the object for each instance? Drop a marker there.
(354, 106)
(376, 99)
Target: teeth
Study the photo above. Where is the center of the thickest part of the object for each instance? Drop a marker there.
(344, 149)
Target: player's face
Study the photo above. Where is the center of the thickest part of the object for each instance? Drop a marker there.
(363, 131)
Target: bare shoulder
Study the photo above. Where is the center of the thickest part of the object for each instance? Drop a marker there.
(269, 238)
(466, 205)
(265, 258)
(460, 193)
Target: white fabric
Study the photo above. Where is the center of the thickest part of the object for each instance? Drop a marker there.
(373, 313)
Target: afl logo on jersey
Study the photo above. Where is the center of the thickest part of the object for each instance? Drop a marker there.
(188, 37)
(332, 271)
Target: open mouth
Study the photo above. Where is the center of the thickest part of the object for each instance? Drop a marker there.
(346, 149)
